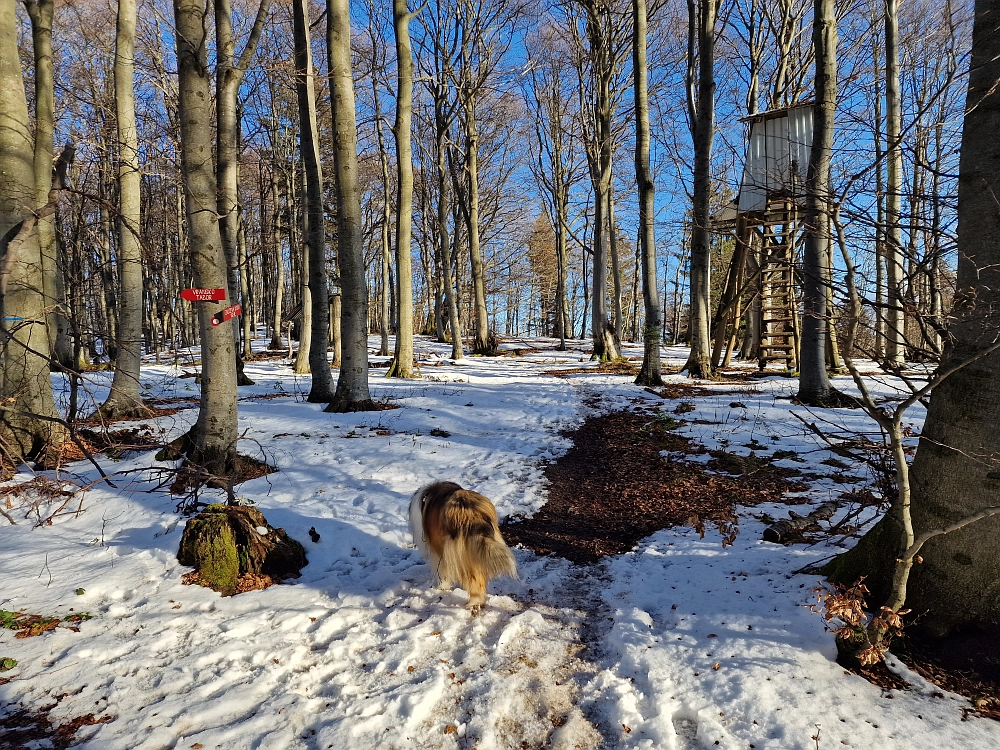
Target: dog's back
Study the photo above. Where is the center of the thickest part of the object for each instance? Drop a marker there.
(457, 531)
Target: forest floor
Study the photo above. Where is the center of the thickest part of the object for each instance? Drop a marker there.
(648, 614)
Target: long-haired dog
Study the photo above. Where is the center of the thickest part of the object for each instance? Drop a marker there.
(456, 530)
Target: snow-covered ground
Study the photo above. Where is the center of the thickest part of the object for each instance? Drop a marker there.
(679, 644)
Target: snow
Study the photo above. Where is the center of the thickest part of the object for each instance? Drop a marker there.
(679, 644)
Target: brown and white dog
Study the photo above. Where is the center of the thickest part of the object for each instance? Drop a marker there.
(456, 530)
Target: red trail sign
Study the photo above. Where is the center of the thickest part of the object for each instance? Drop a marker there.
(228, 314)
(203, 295)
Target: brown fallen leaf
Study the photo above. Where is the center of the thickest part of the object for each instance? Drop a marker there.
(450, 729)
(716, 666)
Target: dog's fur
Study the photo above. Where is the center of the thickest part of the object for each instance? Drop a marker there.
(456, 530)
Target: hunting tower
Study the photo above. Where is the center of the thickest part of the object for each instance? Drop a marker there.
(765, 219)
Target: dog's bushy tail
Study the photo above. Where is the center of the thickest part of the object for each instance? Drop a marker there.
(476, 558)
(474, 549)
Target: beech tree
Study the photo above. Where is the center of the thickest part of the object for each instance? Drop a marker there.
(954, 473)
(29, 425)
(814, 384)
(211, 444)
(402, 364)
(649, 373)
(315, 235)
(125, 399)
(352, 386)
(702, 15)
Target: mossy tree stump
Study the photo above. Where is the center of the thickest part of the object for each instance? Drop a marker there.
(224, 543)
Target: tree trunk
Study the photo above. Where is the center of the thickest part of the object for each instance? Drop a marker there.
(481, 341)
(279, 261)
(229, 77)
(649, 373)
(701, 21)
(384, 313)
(607, 346)
(215, 433)
(319, 331)
(895, 343)
(955, 472)
(402, 365)
(125, 399)
(814, 383)
(444, 243)
(25, 387)
(352, 386)
(41, 12)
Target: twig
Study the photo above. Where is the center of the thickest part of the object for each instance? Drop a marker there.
(72, 434)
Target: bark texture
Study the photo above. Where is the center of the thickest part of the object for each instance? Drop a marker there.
(25, 388)
(649, 373)
(125, 399)
(814, 383)
(701, 20)
(352, 386)
(319, 332)
(402, 365)
(956, 471)
(213, 443)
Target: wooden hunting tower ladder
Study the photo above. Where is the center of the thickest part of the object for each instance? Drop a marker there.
(766, 222)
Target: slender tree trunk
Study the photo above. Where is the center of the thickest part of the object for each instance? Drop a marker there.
(481, 341)
(215, 434)
(444, 244)
(125, 399)
(607, 346)
(702, 21)
(25, 388)
(616, 269)
(319, 331)
(895, 344)
(814, 383)
(385, 315)
(652, 329)
(279, 261)
(229, 77)
(40, 13)
(352, 386)
(301, 252)
(402, 365)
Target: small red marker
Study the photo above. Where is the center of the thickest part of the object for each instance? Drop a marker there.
(228, 314)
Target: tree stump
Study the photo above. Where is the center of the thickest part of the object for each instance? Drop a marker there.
(225, 543)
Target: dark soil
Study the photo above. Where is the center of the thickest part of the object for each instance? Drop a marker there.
(967, 663)
(613, 488)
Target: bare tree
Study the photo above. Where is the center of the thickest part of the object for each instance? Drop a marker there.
(814, 384)
(402, 365)
(649, 373)
(701, 113)
(352, 386)
(319, 330)
(212, 441)
(28, 425)
(125, 399)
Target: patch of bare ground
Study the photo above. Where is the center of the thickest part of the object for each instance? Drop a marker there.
(613, 488)
(615, 367)
(246, 582)
(118, 443)
(966, 662)
(21, 728)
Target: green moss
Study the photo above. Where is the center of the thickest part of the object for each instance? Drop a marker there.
(218, 561)
(7, 663)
